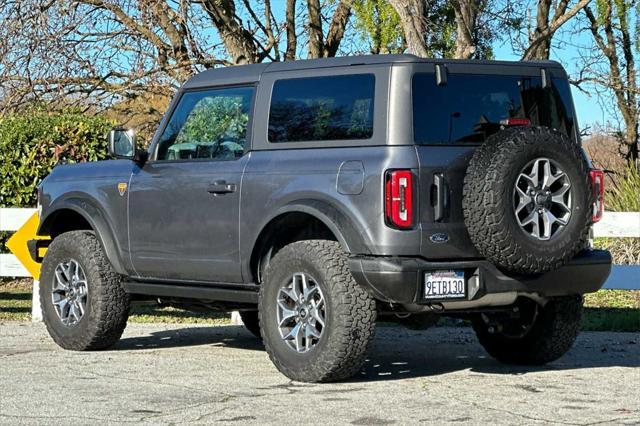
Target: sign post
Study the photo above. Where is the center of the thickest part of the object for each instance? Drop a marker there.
(17, 244)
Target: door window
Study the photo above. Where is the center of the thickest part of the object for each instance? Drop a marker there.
(207, 125)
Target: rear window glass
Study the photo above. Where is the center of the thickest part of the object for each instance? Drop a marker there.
(322, 108)
(470, 108)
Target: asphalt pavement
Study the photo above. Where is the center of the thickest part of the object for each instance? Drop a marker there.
(174, 374)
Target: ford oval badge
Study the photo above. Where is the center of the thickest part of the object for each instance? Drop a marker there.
(439, 238)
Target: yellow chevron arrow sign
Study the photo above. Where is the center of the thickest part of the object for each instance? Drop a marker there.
(17, 244)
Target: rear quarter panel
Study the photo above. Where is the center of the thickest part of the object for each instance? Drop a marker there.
(276, 179)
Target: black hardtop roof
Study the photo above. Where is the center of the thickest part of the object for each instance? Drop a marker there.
(251, 73)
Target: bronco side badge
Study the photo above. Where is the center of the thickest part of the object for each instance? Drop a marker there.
(439, 238)
(122, 187)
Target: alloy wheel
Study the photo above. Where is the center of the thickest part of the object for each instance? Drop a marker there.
(301, 312)
(69, 293)
(542, 199)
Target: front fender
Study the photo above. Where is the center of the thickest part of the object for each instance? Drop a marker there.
(95, 217)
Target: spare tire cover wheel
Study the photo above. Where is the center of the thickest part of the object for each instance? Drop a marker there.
(526, 199)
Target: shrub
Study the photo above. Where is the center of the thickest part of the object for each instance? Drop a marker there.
(623, 195)
(624, 251)
(33, 142)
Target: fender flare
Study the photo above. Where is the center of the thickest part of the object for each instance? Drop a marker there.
(352, 238)
(96, 219)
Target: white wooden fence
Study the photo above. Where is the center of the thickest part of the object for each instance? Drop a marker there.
(613, 224)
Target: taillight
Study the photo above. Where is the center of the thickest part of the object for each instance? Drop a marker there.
(398, 198)
(597, 186)
(516, 122)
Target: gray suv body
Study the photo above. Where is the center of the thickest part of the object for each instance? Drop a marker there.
(252, 159)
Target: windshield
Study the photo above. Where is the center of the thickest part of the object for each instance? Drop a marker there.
(470, 107)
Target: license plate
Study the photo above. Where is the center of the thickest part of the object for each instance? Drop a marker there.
(444, 285)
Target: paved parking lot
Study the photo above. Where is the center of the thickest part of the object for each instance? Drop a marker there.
(161, 374)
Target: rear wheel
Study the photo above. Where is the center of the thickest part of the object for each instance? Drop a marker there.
(251, 322)
(536, 335)
(317, 322)
(84, 306)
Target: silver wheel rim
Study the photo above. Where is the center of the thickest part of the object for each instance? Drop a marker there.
(69, 293)
(542, 199)
(301, 312)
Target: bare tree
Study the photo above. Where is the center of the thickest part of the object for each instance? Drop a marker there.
(539, 46)
(413, 20)
(427, 24)
(100, 53)
(290, 24)
(319, 47)
(466, 13)
(613, 66)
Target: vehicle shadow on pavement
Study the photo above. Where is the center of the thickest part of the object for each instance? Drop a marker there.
(232, 336)
(398, 353)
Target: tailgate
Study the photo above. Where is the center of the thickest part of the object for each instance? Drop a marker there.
(441, 175)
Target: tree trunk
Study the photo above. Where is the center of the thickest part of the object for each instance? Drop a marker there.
(624, 89)
(316, 42)
(540, 39)
(412, 18)
(336, 28)
(539, 45)
(466, 12)
(237, 40)
(292, 39)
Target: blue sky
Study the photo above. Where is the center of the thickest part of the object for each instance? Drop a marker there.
(565, 50)
(567, 41)
(587, 107)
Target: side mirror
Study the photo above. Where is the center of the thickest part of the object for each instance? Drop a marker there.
(122, 143)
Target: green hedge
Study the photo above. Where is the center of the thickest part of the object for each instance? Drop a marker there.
(33, 142)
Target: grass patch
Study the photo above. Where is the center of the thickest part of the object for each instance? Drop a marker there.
(611, 319)
(619, 299)
(605, 310)
(15, 304)
(146, 313)
(614, 310)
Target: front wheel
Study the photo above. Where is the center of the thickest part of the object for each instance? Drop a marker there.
(536, 336)
(316, 321)
(84, 305)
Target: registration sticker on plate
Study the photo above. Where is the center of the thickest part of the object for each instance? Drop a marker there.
(444, 285)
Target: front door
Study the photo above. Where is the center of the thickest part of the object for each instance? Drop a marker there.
(183, 203)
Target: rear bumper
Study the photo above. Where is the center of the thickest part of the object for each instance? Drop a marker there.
(401, 280)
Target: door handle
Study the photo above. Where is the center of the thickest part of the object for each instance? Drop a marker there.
(220, 187)
(440, 198)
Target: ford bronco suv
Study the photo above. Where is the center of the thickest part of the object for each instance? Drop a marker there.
(316, 196)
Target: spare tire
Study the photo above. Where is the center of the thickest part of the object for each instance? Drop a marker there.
(527, 201)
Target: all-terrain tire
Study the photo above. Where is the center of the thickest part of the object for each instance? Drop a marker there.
(349, 321)
(553, 333)
(107, 306)
(251, 322)
(488, 200)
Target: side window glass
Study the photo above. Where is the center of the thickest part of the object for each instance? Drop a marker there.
(210, 124)
(322, 108)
